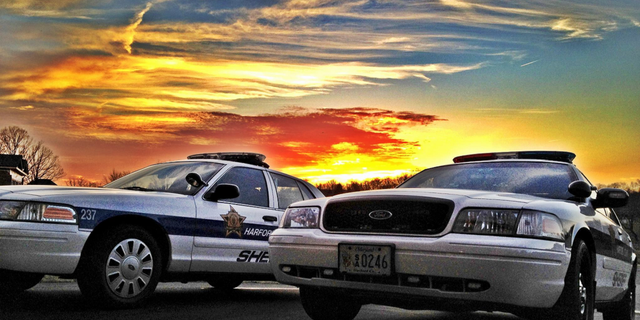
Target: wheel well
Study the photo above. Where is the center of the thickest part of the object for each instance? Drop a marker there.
(585, 235)
(150, 225)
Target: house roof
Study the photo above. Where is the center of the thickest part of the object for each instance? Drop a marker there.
(15, 162)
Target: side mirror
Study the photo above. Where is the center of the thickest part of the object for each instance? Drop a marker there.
(195, 180)
(611, 198)
(223, 191)
(580, 189)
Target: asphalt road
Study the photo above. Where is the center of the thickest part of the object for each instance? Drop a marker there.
(176, 301)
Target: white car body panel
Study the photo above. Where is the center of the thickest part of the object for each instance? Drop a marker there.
(512, 271)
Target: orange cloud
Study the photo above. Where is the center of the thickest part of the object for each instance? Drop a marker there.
(306, 142)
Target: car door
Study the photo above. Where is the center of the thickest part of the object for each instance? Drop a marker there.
(231, 234)
(616, 252)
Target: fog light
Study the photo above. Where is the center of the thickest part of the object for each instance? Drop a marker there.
(327, 272)
(474, 286)
(286, 269)
(413, 279)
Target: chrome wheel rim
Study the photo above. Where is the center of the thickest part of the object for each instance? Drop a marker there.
(129, 268)
(583, 295)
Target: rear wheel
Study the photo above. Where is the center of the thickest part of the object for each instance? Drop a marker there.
(322, 304)
(12, 282)
(625, 309)
(122, 269)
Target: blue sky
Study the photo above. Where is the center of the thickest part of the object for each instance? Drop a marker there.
(122, 84)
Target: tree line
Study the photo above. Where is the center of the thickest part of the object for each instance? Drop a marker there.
(332, 187)
(82, 182)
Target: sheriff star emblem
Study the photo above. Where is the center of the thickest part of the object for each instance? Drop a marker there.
(233, 222)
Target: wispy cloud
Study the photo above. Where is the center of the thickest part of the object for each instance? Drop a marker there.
(23, 108)
(181, 84)
(130, 30)
(516, 111)
(539, 111)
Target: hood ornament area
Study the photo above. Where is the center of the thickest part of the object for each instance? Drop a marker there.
(380, 215)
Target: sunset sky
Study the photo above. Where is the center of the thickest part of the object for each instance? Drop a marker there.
(325, 89)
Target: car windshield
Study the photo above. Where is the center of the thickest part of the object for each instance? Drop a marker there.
(167, 177)
(548, 180)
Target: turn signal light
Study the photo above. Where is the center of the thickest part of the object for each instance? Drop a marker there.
(53, 213)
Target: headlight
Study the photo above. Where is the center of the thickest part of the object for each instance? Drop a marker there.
(306, 217)
(540, 224)
(486, 221)
(509, 222)
(40, 212)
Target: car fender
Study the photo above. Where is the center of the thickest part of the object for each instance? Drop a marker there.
(143, 221)
(580, 230)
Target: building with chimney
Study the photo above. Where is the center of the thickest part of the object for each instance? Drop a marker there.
(13, 169)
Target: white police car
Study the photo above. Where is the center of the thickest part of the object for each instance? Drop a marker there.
(206, 218)
(521, 232)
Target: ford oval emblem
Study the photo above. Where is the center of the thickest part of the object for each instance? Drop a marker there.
(380, 214)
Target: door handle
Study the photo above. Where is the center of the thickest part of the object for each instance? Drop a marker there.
(270, 218)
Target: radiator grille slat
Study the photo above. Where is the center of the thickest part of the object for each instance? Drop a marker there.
(408, 215)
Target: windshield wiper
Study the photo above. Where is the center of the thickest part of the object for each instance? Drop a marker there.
(137, 188)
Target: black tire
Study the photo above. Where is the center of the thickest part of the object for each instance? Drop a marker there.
(625, 309)
(225, 283)
(121, 269)
(578, 297)
(322, 304)
(12, 282)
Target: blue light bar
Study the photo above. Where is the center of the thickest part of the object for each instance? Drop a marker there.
(244, 157)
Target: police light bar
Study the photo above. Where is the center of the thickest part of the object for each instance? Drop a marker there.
(539, 155)
(243, 157)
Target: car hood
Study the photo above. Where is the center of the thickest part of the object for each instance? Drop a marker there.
(100, 198)
(452, 194)
(461, 198)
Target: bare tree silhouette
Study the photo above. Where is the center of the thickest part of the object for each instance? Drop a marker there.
(43, 163)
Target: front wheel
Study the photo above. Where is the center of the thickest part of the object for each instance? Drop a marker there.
(122, 269)
(578, 296)
(322, 304)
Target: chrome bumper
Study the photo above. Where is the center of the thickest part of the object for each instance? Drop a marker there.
(40, 247)
(518, 271)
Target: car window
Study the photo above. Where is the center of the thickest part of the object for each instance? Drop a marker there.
(306, 193)
(548, 180)
(252, 185)
(167, 177)
(287, 189)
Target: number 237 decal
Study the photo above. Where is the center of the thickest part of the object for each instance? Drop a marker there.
(87, 214)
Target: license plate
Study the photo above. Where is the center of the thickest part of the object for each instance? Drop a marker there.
(365, 259)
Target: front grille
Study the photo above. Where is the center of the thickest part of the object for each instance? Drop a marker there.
(400, 215)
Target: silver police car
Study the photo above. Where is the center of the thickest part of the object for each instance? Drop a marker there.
(205, 218)
(521, 232)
